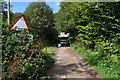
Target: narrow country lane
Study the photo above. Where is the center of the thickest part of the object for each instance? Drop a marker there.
(69, 65)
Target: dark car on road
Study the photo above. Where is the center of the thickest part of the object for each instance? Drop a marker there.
(63, 40)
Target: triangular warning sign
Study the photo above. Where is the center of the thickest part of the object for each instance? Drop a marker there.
(19, 24)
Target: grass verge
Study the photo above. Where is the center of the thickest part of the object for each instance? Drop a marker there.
(49, 52)
(107, 67)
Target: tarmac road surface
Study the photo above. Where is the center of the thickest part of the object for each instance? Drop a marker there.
(70, 66)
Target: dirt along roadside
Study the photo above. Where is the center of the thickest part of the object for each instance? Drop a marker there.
(68, 65)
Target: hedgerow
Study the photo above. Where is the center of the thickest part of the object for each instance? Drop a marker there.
(95, 27)
(23, 58)
(107, 65)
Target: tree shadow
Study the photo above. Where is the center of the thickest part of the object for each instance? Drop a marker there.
(57, 70)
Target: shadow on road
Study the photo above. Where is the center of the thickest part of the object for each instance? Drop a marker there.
(69, 66)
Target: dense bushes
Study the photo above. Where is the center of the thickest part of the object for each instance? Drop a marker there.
(95, 27)
(40, 17)
(104, 63)
(22, 58)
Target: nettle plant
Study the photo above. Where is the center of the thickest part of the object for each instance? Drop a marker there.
(22, 57)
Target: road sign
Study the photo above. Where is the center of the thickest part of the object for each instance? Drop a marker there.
(20, 24)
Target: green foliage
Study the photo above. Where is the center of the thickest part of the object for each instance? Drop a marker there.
(15, 17)
(23, 59)
(95, 26)
(66, 22)
(91, 21)
(58, 21)
(97, 32)
(41, 20)
(3, 11)
(106, 66)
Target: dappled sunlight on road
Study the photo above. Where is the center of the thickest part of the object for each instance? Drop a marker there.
(68, 64)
